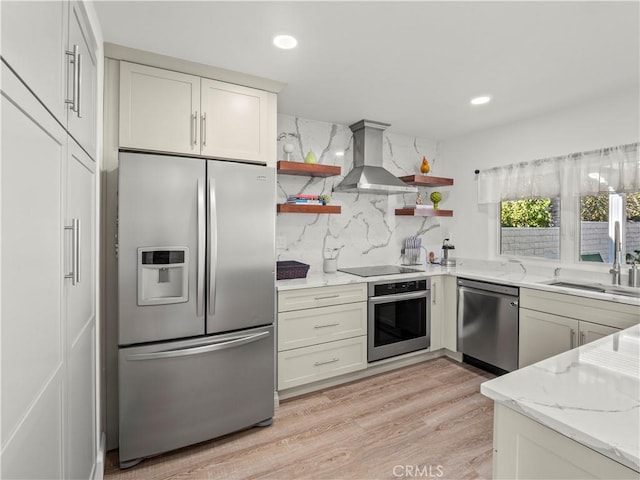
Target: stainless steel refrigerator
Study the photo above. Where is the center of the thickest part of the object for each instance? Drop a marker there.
(196, 273)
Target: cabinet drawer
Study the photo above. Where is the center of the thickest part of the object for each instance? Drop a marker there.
(318, 362)
(301, 328)
(321, 296)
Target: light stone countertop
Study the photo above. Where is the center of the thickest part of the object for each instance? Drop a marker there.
(590, 394)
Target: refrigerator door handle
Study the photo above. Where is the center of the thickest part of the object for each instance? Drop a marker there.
(201, 251)
(182, 352)
(212, 239)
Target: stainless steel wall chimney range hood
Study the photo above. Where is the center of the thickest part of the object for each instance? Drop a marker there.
(368, 175)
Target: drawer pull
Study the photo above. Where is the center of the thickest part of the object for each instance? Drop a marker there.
(327, 325)
(327, 296)
(333, 360)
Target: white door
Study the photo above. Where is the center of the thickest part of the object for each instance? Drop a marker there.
(82, 122)
(34, 40)
(159, 109)
(33, 155)
(543, 335)
(234, 122)
(80, 314)
(592, 331)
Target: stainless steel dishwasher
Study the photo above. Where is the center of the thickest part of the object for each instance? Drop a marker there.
(488, 325)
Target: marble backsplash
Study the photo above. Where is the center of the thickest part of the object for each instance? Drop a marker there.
(367, 232)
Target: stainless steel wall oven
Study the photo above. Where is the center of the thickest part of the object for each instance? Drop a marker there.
(398, 321)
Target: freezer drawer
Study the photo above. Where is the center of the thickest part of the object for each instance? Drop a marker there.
(175, 394)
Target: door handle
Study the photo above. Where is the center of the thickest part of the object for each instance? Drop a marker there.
(327, 325)
(194, 128)
(75, 55)
(200, 251)
(573, 338)
(514, 303)
(197, 350)
(433, 293)
(212, 246)
(203, 128)
(79, 83)
(333, 360)
(327, 297)
(74, 275)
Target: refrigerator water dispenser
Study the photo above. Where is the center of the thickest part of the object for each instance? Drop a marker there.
(163, 275)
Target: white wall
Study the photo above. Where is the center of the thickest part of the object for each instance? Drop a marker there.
(604, 122)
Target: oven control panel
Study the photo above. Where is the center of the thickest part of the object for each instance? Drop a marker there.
(392, 288)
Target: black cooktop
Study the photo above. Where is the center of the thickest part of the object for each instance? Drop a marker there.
(379, 270)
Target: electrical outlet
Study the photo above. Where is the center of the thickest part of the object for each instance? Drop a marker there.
(281, 241)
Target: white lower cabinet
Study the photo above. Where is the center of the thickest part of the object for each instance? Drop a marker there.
(320, 342)
(552, 323)
(318, 362)
(525, 449)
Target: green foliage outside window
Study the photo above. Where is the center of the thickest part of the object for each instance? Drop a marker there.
(529, 212)
(595, 208)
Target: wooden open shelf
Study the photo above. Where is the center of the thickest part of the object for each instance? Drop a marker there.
(426, 180)
(297, 208)
(308, 169)
(424, 212)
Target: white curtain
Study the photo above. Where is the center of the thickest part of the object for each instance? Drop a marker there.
(614, 169)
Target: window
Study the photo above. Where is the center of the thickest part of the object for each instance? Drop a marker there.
(530, 227)
(598, 214)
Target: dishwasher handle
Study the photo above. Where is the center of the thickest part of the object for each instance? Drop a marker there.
(489, 287)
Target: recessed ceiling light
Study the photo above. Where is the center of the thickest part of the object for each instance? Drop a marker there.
(480, 100)
(286, 42)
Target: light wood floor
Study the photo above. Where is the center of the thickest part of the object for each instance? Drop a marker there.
(426, 419)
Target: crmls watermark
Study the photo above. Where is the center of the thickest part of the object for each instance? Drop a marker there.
(418, 471)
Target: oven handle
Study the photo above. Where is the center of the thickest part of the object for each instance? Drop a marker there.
(399, 297)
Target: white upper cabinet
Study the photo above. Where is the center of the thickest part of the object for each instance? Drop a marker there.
(83, 77)
(37, 52)
(159, 109)
(166, 111)
(234, 120)
(49, 45)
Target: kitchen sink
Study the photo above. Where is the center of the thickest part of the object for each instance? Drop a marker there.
(596, 287)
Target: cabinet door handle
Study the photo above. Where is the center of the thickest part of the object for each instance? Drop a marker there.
(433, 293)
(573, 338)
(582, 338)
(203, 129)
(79, 83)
(327, 325)
(73, 102)
(194, 128)
(74, 275)
(326, 362)
(327, 296)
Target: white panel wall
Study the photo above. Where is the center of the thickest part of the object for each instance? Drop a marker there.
(607, 121)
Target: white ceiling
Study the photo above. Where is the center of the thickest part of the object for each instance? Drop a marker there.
(412, 64)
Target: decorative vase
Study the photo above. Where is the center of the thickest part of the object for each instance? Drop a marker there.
(330, 265)
(288, 148)
(311, 157)
(424, 167)
(435, 197)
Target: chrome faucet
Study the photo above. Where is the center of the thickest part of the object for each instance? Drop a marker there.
(513, 260)
(615, 271)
